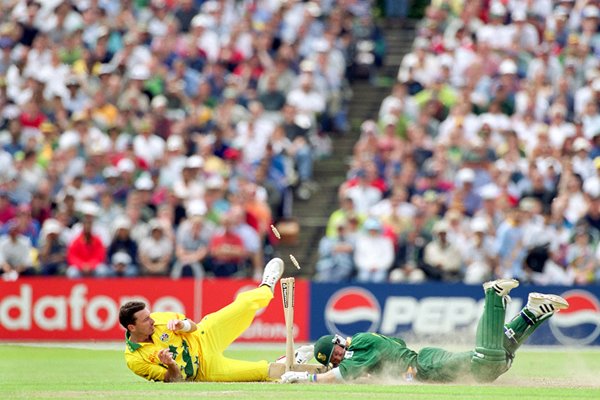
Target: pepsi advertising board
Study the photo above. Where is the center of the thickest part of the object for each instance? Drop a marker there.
(444, 312)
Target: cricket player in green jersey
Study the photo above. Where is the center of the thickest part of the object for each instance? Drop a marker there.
(367, 354)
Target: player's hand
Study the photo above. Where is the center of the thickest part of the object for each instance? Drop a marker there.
(166, 357)
(304, 354)
(294, 377)
(175, 325)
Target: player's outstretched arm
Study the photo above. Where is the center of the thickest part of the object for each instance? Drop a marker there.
(173, 373)
(302, 377)
(182, 325)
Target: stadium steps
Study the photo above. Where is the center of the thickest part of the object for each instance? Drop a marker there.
(330, 173)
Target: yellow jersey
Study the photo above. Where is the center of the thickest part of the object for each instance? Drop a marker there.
(143, 360)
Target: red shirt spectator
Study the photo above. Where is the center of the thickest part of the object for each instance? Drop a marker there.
(7, 210)
(86, 253)
(227, 247)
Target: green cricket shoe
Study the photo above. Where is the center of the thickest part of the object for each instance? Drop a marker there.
(542, 304)
(501, 286)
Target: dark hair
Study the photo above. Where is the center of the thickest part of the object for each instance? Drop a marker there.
(127, 312)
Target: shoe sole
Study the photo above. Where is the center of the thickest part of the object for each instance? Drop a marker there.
(556, 301)
(281, 266)
(498, 284)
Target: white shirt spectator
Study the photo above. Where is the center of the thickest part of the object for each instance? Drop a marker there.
(425, 67)
(252, 137)
(583, 96)
(525, 101)
(470, 125)
(497, 36)
(576, 207)
(464, 57)
(559, 132)
(307, 100)
(551, 69)
(364, 197)
(477, 256)
(526, 130)
(150, 148)
(18, 252)
(447, 258)
(171, 172)
(156, 249)
(191, 190)
(208, 42)
(373, 254)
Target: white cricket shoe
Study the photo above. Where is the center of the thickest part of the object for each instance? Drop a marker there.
(542, 304)
(501, 286)
(272, 273)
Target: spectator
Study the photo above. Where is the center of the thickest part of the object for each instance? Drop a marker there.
(52, 249)
(478, 253)
(250, 238)
(411, 250)
(336, 256)
(307, 100)
(121, 266)
(442, 259)
(26, 225)
(509, 245)
(15, 252)
(86, 254)
(155, 251)
(7, 209)
(344, 213)
(465, 196)
(192, 239)
(90, 111)
(364, 195)
(581, 258)
(374, 253)
(122, 241)
(227, 255)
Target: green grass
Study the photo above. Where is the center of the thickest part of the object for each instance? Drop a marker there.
(66, 373)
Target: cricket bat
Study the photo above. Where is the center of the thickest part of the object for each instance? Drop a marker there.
(288, 286)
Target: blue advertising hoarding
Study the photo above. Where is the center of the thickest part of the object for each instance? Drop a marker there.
(445, 312)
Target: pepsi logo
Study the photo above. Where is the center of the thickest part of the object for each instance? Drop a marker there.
(580, 323)
(351, 310)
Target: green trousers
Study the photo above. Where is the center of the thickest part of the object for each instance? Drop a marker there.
(495, 347)
(439, 365)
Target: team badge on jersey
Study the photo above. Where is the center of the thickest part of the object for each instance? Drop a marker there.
(348, 354)
(164, 337)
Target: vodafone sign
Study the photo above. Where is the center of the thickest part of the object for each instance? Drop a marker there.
(50, 309)
(88, 309)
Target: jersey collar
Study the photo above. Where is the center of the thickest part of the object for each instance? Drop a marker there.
(132, 346)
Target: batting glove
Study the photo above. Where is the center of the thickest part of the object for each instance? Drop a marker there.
(304, 354)
(294, 377)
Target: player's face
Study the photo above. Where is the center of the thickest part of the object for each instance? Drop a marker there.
(144, 325)
(337, 356)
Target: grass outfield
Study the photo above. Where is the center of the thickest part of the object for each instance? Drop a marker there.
(28, 372)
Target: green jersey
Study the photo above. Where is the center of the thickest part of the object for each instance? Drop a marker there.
(372, 353)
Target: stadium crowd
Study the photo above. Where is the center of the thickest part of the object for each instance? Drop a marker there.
(484, 160)
(161, 137)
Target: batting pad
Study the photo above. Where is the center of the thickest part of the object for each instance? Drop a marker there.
(520, 328)
(490, 330)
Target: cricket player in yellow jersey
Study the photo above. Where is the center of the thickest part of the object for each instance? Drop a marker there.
(168, 347)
